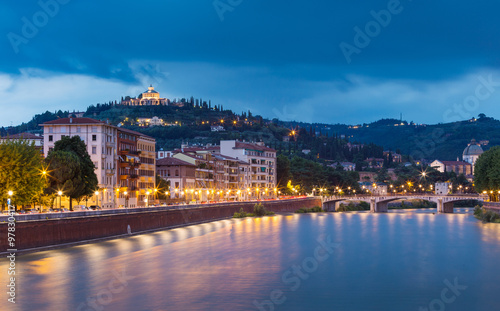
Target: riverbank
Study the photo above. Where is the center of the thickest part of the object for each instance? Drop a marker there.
(72, 229)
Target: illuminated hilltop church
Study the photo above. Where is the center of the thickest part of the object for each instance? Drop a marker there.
(147, 98)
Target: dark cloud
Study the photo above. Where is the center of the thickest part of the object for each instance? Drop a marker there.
(291, 44)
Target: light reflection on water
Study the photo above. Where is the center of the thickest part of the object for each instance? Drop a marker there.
(393, 261)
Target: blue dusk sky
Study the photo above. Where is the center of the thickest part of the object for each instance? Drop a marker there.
(314, 61)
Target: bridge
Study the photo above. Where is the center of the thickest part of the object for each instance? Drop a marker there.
(379, 203)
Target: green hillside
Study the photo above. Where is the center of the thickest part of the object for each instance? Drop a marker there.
(325, 141)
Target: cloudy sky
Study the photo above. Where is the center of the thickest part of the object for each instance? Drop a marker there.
(323, 61)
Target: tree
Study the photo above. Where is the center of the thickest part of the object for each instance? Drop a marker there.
(21, 171)
(487, 171)
(163, 186)
(72, 169)
(382, 175)
(283, 170)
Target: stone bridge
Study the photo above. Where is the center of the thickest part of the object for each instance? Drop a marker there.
(379, 203)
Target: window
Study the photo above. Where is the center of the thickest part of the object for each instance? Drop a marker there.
(51, 138)
(63, 129)
(78, 129)
(94, 150)
(94, 129)
(94, 137)
(51, 130)
(176, 173)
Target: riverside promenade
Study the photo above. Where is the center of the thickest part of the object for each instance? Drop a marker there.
(35, 232)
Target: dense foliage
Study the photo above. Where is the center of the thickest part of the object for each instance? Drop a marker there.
(487, 171)
(71, 169)
(21, 171)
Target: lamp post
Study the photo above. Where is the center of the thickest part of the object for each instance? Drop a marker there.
(126, 199)
(96, 198)
(10, 193)
(59, 193)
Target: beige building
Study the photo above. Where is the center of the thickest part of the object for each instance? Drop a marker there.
(458, 167)
(147, 179)
(101, 140)
(261, 161)
(180, 174)
(154, 121)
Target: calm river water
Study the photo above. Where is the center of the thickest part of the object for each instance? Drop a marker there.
(402, 260)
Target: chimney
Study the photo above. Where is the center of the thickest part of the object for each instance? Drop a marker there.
(70, 120)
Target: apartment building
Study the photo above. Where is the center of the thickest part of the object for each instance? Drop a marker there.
(101, 140)
(261, 160)
(146, 147)
(181, 174)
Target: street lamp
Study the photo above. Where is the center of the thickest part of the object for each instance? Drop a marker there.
(96, 198)
(126, 194)
(59, 193)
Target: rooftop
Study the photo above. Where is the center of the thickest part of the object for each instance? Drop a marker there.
(241, 145)
(23, 136)
(172, 161)
(473, 149)
(74, 121)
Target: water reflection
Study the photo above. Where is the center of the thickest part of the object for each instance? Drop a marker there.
(393, 261)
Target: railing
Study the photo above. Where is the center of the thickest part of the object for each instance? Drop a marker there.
(352, 196)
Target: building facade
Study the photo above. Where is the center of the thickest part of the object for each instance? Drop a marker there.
(261, 161)
(124, 160)
(150, 97)
(458, 167)
(101, 141)
(34, 139)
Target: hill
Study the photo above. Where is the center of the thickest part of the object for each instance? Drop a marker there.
(192, 123)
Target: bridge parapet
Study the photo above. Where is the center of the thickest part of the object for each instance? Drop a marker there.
(379, 203)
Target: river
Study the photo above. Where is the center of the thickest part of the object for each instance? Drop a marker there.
(401, 260)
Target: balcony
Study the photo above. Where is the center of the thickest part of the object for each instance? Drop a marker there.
(110, 171)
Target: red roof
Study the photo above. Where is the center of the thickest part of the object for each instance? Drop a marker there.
(172, 161)
(23, 136)
(241, 145)
(75, 121)
(132, 132)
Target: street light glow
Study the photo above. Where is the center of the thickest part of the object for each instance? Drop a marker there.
(10, 193)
